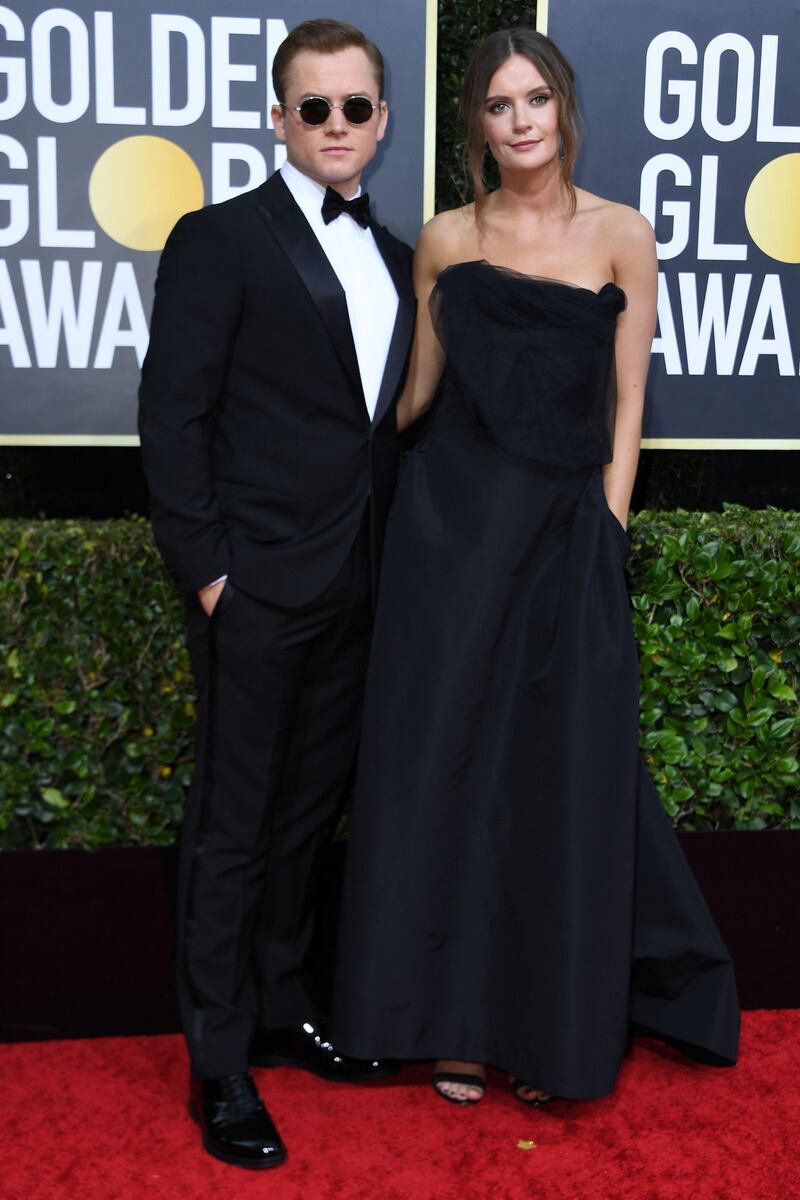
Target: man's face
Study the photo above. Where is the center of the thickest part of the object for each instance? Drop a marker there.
(333, 154)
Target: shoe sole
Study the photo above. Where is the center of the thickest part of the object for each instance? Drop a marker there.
(248, 1164)
(279, 1060)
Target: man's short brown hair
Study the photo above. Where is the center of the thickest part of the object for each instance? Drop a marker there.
(322, 35)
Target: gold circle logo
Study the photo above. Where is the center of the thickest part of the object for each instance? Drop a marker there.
(139, 187)
(772, 206)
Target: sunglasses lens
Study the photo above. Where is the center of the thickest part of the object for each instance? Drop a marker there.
(357, 110)
(314, 111)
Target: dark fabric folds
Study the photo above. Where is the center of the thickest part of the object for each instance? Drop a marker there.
(515, 893)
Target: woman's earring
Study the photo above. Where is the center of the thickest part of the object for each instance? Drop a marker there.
(562, 154)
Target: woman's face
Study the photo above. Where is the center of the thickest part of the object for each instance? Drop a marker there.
(520, 117)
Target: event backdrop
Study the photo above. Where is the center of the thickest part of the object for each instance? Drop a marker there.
(692, 114)
(113, 123)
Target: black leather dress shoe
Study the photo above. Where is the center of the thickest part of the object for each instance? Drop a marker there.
(308, 1047)
(236, 1126)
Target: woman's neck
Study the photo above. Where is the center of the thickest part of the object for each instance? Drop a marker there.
(539, 195)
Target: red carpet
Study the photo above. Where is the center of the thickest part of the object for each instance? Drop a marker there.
(105, 1120)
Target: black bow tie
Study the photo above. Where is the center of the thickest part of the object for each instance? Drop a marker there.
(334, 205)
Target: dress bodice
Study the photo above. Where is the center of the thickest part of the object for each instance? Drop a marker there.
(531, 359)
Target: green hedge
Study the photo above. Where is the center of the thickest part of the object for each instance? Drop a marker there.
(95, 691)
(97, 703)
(716, 601)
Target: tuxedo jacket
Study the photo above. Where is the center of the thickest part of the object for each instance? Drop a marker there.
(258, 448)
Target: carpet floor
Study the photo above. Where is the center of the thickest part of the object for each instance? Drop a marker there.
(106, 1120)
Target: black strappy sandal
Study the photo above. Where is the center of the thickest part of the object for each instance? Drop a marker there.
(534, 1101)
(458, 1077)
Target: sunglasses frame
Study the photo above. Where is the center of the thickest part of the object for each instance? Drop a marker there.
(331, 106)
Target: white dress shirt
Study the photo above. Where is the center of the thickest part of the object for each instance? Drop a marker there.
(371, 295)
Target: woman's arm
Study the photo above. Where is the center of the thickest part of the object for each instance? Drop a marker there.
(636, 272)
(426, 362)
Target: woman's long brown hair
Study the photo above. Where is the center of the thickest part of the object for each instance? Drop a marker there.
(487, 57)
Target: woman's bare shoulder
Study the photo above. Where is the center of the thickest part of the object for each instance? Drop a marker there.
(618, 224)
(446, 238)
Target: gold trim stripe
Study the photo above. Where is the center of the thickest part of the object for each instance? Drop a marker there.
(429, 137)
(123, 439)
(721, 443)
(69, 439)
(542, 15)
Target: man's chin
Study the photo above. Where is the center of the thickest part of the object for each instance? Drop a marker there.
(341, 170)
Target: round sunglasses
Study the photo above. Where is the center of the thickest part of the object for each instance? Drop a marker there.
(315, 110)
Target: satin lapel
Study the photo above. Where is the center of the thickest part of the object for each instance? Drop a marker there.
(397, 265)
(296, 239)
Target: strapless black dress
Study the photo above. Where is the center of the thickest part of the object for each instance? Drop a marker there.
(515, 893)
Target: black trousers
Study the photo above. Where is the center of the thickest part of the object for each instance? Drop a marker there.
(279, 708)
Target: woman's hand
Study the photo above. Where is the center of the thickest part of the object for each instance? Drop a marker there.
(209, 596)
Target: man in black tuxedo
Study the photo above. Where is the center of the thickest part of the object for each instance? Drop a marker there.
(280, 333)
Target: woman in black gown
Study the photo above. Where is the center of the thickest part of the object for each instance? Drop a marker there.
(515, 894)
